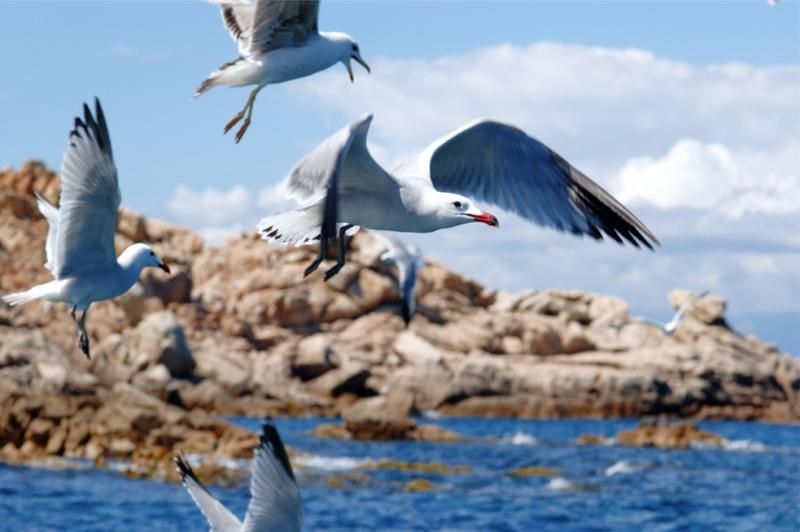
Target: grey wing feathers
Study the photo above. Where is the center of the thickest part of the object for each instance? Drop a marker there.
(502, 165)
(50, 212)
(90, 198)
(220, 519)
(274, 498)
(269, 24)
(342, 159)
(283, 23)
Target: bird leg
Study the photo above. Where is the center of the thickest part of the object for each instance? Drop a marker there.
(246, 113)
(83, 336)
(342, 250)
(322, 255)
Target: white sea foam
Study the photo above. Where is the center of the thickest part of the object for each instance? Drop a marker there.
(519, 438)
(746, 446)
(431, 414)
(330, 463)
(623, 467)
(560, 484)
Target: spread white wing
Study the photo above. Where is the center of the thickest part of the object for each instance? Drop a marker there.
(341, 162)
(50, 212)
(220, 519)
(274, 498)
(500, 164)
(269, 24)
(90, 198)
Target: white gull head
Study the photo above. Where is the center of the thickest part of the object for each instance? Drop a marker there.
(450, 210)
(347, 49)
(139, 256)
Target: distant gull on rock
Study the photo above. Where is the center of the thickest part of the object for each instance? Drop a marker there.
(278, 41)
(80, 242)
(408, 261)
(669, 327)
(274, 498)
(345, 188)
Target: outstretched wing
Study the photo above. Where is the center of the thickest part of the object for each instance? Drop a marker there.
(500, 164)
(274, 497)
(90, 198)
(341, 162)
(269, 24)
(50, 212)
(220, 519)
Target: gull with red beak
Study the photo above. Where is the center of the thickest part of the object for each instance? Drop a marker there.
(493, 162)
(278, 41)
(80, 242)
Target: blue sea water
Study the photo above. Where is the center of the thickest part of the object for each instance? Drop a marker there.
(751, 484)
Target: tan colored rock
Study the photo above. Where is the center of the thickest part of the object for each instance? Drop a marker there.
(667, 436)
(380, 418)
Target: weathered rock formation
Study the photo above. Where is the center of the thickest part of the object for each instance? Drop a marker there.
(237, 329)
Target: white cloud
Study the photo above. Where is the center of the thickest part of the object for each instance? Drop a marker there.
(218, 214)
(712, 176)
(596, 106)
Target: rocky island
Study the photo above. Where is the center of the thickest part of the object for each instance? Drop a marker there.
(238, 330)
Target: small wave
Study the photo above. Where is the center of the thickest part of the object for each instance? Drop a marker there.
(519, 438)
(561, 484)
(623, 467)
(330, 463)
(431, 414)
(746, 446)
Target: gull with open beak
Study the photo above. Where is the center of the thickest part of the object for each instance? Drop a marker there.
(278, 41)
(80, 242)
(493, 162)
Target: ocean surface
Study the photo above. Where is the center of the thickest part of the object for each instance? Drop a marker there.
(753, 483)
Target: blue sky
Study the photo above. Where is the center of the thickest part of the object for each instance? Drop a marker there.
(686, 110)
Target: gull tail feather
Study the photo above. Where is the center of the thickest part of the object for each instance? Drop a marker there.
(233, 73)
(20, 298)
(293, 228)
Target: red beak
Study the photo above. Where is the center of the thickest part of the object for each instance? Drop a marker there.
(487, 218)
(164, 267)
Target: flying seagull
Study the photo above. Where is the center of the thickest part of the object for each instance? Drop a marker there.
(669, 327)
(278, 41)
(80, 242)
(274, 498)
(408, 261)
(345, 188)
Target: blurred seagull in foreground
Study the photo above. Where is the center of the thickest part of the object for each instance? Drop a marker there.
(408, 261)
(278, 41)
(669, 327)
(80, 242)
(488, 160)
(274, 498)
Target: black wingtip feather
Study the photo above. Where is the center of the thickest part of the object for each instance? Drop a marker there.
(271, 441)
(611, 217)
(93, 128)
(185, 470)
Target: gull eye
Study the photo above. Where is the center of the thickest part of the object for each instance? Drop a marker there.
(152, 254)
(457, 204)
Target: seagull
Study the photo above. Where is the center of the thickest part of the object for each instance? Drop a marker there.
(344, 189)
(80, 241)
(278, 41)
(408, 261)
(669, 327)
(274, 498)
